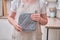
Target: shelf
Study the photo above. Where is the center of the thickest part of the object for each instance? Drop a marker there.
(51, 0)
(3, 17)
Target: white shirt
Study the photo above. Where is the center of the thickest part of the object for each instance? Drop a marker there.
(19, 7)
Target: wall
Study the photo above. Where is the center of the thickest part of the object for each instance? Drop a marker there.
(8, 5)
(1, 8)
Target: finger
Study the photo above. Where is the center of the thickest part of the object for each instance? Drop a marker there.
(19, 28)
(36, 17)
(36, 14)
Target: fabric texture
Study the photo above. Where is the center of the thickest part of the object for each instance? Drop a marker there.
(26, 22)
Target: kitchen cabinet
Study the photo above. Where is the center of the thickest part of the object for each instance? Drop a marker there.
(58, 13)
(53, 29)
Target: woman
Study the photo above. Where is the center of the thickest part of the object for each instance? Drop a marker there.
(28, 6)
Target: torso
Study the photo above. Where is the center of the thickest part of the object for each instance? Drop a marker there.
(26, 8)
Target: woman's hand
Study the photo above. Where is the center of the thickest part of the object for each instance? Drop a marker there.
(41, 18)
(35, 17)
(18, 27)
(11, 19)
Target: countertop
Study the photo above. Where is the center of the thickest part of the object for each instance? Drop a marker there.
(53, 23)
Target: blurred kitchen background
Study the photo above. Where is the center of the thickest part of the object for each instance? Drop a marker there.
(6, 30)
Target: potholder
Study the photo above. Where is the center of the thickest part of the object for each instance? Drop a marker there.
(26, 22)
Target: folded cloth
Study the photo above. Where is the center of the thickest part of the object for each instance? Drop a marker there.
(26, 22)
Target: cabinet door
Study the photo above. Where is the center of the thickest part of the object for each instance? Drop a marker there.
(1, 13)
(58, 13)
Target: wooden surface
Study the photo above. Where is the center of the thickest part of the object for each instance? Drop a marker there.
(53, 23)
(5, 7)
(4, 17)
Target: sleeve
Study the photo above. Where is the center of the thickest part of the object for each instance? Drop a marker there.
(14, 5)
(43, 6)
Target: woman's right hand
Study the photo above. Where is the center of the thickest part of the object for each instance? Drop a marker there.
(17, 27)
(11, 19)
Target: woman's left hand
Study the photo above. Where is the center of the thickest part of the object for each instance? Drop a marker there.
(35, 17)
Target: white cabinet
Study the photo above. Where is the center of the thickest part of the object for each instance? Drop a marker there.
(54, 34)
(58, 13)
(58, 9)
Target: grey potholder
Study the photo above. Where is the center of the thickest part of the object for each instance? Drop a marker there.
(26, 22)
